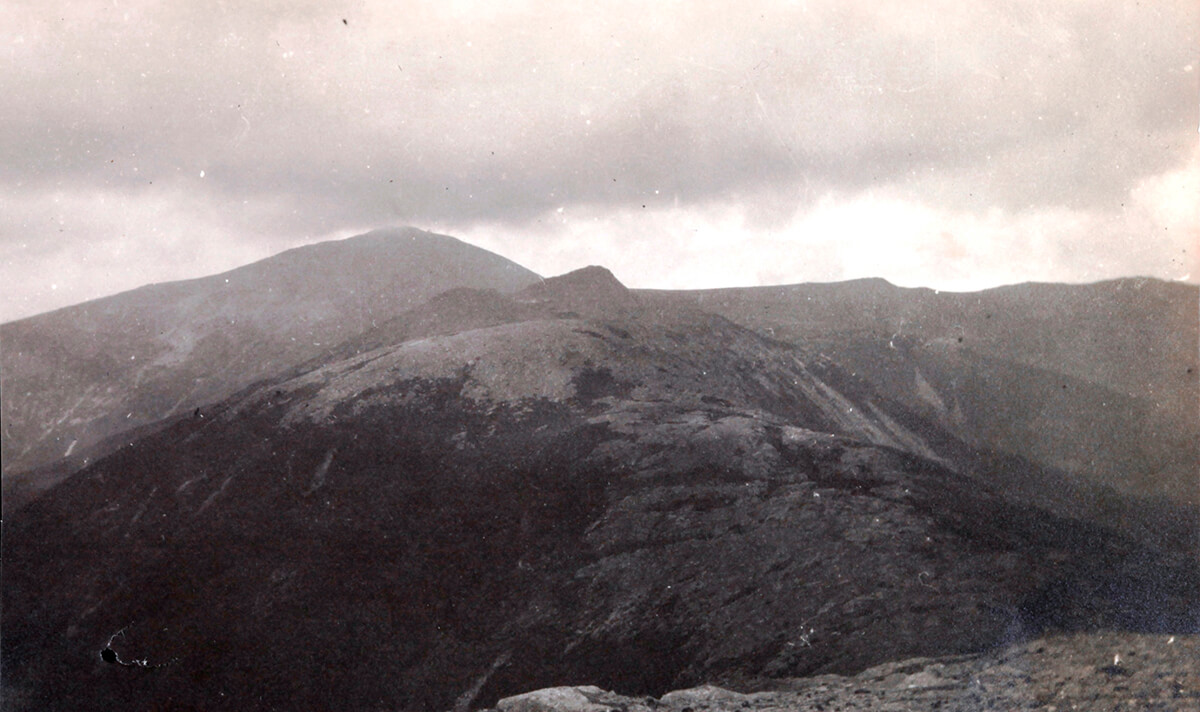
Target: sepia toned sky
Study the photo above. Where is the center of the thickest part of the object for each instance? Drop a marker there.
(682, 144)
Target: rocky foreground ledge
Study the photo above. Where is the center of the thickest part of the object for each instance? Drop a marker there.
(1095, 671)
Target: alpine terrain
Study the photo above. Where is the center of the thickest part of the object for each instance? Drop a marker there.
(76, 378)
(398, 472)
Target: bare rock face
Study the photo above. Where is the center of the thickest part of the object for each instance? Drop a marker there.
(704, 696)
(1081, 671)
(494, 494)
(648, 502)
(586, 698)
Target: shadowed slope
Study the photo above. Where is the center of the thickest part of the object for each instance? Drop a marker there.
(76, 376)
(1096, 380)
(645, 501)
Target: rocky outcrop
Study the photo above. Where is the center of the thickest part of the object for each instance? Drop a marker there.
(644, 500)
(313, 542)
(585, 698)
(1082, 671)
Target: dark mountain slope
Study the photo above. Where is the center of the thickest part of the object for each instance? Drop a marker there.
(1133, 335)
(645, 501)
(1097, 380)
(1000, 440)
(73, 377)
(996, 428)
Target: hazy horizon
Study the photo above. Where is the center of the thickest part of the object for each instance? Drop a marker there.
(680, 145)
(578, 267)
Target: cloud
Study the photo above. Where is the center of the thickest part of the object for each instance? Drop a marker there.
(1165, 219)
(875, 233)
(473, 114)
(117, 242)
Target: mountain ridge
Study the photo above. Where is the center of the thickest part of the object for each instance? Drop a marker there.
(651, 500)
(503, 490)
(377, 235)
(77, 376)
(830, 314)
(1137, 338)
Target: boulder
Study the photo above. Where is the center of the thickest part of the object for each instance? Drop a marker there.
(581, 698)
(704, 696)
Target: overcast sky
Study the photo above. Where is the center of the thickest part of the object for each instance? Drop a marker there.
(692, 144)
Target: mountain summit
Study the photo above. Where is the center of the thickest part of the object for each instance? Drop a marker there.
(74, 377)
(521, 483)
(592, 290)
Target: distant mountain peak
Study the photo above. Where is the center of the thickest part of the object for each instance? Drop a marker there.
(588, 290)
(385, 240)
(592, 277)
(403, 232)
(591, 270)
(198, 340)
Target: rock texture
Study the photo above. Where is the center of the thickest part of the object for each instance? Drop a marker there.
(587, 698)
(638, 496)
(1099, 671)
(1098, 381)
